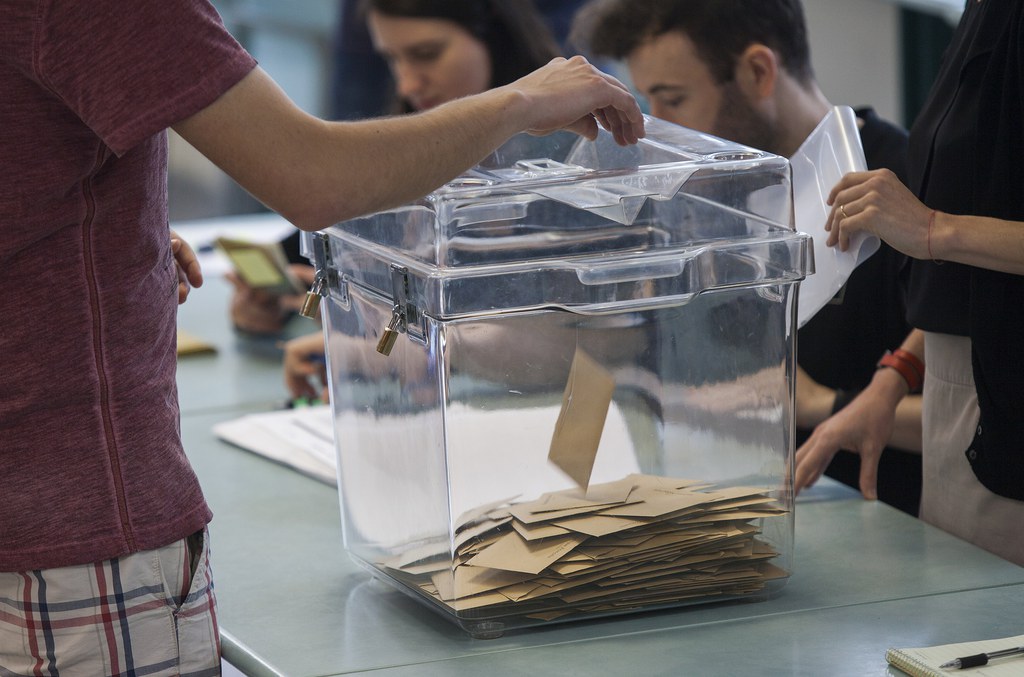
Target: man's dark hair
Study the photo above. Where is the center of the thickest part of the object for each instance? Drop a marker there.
(720, 29)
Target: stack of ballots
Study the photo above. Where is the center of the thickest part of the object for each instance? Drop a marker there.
(641, 541)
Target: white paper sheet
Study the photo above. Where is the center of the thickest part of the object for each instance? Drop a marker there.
(300, 438)
(832, 150)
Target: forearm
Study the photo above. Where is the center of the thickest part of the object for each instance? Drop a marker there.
(978, 241)
(814, 402)
(889, 384)
(370, 165)
(906, 431)
(316, 173)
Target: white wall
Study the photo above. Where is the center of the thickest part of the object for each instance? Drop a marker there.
(291, 41)
(856, 53)
(855, 49)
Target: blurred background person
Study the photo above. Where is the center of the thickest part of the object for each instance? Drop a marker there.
(741, 70)
(439, 50)
(436, 51)
(362, 83)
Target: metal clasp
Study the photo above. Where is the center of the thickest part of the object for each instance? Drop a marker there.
(319, 252)
(391, 332)
(403, 313)
(311, 306)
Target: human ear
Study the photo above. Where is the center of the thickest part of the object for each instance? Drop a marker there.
(757, 71)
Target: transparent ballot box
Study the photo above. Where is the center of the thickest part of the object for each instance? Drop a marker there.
(562, 384)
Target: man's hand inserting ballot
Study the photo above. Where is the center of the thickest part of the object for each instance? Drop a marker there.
(572, 94)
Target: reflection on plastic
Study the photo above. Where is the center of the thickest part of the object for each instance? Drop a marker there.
(832, 150)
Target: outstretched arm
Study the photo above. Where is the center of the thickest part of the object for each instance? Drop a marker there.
(316, 173)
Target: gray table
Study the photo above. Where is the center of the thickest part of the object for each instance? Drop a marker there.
(291, 602)
(245, 372)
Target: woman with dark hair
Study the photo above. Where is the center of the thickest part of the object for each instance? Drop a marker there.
(439, 50)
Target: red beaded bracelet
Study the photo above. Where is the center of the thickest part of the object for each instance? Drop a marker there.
(909, 366)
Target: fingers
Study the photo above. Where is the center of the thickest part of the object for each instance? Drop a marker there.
(574, 95)
(812, 458)
(586, 127)
(855, 200)
(626, 106)
(843, 231)
(869, 476)
(623, 129)
(832, 227)
(183, 286)
(849, 181)
(623, 117)
(187, 260)
(807, 469)
(189, 272)
(851, 188)
(839, 224)
(300, 371)
(305, 368)
(806, 475)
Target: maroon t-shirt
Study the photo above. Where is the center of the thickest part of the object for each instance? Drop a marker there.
(91, 464)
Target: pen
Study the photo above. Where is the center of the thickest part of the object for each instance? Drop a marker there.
(981, 658)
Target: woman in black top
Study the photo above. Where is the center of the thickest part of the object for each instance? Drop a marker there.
(965, 233)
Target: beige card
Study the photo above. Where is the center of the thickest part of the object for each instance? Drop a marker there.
(261, 265)
(513, 553)
(190, 344)
(588, 394)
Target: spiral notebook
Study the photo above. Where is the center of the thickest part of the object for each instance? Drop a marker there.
(925, 661)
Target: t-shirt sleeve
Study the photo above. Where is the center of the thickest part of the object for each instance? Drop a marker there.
(131, 71)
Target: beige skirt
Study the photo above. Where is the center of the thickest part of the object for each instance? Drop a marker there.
(952, 498)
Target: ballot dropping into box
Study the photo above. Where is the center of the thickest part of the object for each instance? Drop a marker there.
(562, 384)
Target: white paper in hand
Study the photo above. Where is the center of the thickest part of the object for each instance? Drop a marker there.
(832, 150)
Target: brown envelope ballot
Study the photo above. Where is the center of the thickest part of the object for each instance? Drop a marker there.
(588, 394)
(513, 553)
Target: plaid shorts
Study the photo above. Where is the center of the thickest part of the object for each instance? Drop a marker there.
(142, 614)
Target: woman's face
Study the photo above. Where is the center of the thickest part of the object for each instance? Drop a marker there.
(433, 60)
